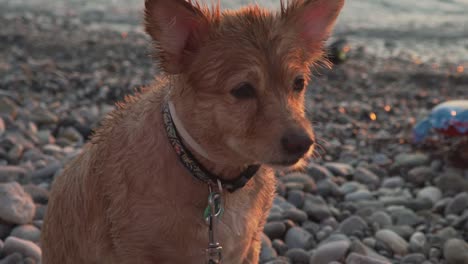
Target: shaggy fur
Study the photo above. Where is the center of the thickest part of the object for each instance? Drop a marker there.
(127, 198)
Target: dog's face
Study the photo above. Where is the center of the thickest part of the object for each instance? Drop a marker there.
(247, 71)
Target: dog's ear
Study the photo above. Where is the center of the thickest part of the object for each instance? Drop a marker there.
(313, 19)
(177, 28)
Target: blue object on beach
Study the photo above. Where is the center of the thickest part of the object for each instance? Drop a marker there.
(449, 119)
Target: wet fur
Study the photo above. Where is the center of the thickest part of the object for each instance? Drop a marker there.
(127, 198)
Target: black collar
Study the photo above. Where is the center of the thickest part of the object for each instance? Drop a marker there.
(194, 167)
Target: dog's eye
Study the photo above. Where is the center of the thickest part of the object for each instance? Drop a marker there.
(299, 84)
(243, 91)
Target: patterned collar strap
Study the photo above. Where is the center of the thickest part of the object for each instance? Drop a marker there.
(194, 167)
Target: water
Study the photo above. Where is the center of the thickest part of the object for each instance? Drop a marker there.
(426, 30)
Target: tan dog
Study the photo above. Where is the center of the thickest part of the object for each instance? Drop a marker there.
(235, 80)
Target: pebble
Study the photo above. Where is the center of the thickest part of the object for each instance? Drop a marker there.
(456, 251)
(297, 237)
(339, 169)
(295, 215)
(418, 243)
(296, 197)
(391, 239)
(16, 206)
(318, 172)
(46, 172)
(367, 177)
(274, 229)
(458, 204)
(332, 251)
(420, 175)
(403, 216)
(365, 250)
(12, 173)
(409, 161)
(301, 180)
(361, 195)
(38, 194)
(24, 247)
(351, 225)
(14, 258)
(328, 188)
(381, 219)
(267, 252)
(414, 258)
(393, 182)
(26, 232)
(431, 193)
(280, 247)
(354, 258)
(298, 255)
(316, 208)
(451, 183)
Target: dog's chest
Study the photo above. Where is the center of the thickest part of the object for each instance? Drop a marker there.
(245, 210)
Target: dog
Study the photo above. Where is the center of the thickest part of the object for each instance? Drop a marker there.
(182, 172)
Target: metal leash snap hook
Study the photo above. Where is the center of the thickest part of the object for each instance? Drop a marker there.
(212, 212)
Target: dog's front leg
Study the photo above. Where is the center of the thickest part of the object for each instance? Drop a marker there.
(253, 253)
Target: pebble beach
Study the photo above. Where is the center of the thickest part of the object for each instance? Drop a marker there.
(369, 195)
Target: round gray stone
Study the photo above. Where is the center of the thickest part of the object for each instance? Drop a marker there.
(24, 247)
(381, 219)
(298, 255)
(333, 251)
(354, 258)
(418, 243)
(366, 176)
(458, 204)
(16, 206)
(392, 240)
(274, 229)
(432, 193)
(352, 224)
(26, 232)
(297, 237)
(456, 251)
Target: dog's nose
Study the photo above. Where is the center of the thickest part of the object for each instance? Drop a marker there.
(296, 143)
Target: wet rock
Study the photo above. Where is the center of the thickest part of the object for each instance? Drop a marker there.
(339, 169)
(458, 204)
(298, 255)
(354, 258)
(274, 229)
(297, 237)
(420, 175)
(418, 243)
(392, 240)
(296, 197)
(432, 193)
(381, 219)
(333, 251)
(414, 258)
(318, 172)
(456, 251)
(352, 225)
(16, 206)
(13, 173)
(393, 182)
(24, 247)
(409, 161)
(26, 232)
(367, 177)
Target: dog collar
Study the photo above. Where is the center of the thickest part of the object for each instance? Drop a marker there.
(189, 161)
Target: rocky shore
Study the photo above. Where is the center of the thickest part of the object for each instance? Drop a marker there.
(368, 196)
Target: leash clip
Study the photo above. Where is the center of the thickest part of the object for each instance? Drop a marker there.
(213, 212)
